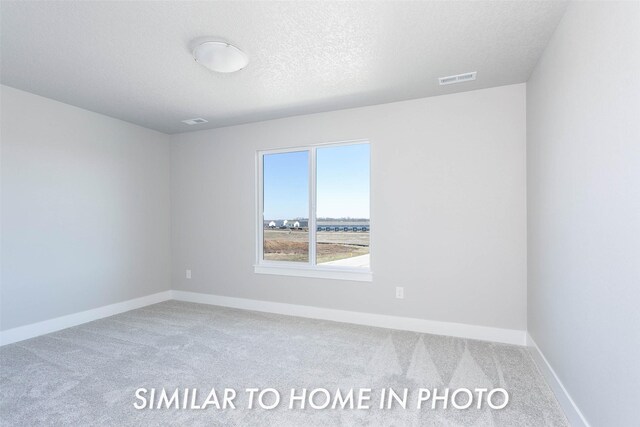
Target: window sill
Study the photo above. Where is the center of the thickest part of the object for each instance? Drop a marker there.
(359, 275)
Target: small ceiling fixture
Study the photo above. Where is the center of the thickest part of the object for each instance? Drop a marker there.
(195, 121)
(220, 57)
(458, 78)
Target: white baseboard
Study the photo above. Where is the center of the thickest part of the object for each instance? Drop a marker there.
(508, 336)
(52, 325)
(571, 410)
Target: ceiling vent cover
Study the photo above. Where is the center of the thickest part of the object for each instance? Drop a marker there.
(195, 121)
(459, 78)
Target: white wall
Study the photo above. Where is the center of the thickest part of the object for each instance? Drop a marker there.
(448, 208)
(85, 210)
(583, 139)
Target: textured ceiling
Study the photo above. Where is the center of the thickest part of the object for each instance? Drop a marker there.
(132, 60)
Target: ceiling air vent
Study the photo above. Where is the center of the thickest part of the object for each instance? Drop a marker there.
(459, 78)
(196, 121)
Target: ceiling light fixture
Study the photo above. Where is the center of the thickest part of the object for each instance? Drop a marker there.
(220, 57)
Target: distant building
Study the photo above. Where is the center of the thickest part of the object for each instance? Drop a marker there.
(286, 224)
(323, 224)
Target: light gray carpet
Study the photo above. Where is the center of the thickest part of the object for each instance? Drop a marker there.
(87, 375)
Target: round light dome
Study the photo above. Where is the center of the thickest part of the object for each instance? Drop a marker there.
(220, 57)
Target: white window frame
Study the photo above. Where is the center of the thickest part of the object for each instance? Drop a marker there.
(310, 269)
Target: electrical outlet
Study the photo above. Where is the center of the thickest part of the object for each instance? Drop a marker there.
(399, 292)
(188, 274)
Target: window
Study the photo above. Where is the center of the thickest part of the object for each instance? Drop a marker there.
(313, 211)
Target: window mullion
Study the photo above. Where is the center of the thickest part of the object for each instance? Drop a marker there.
(312, 206)
(260, 207)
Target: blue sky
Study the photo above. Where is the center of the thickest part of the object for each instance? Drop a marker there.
(342, 183)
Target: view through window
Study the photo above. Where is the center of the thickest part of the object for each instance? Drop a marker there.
(337, 232)
(286, 206)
